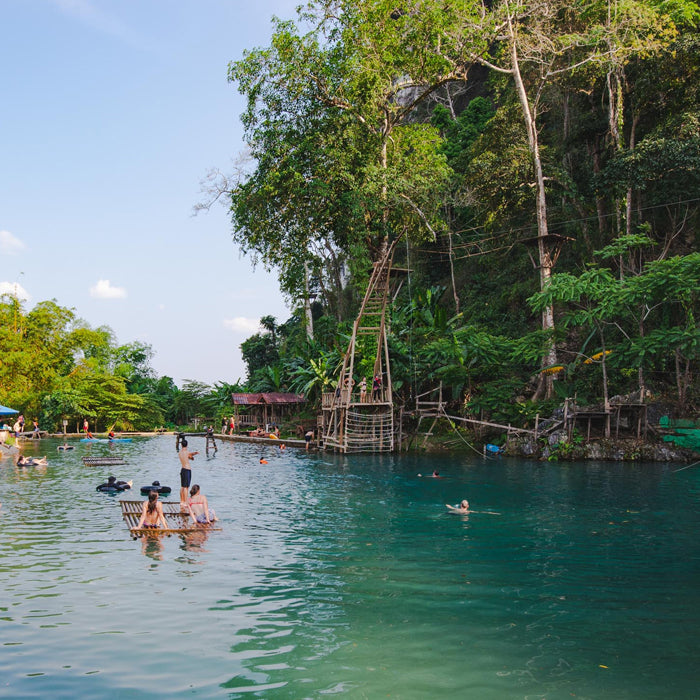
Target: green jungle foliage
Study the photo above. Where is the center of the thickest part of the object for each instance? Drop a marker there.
(54, 367)
(537, 166)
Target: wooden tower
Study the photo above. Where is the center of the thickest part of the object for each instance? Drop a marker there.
(352, 422)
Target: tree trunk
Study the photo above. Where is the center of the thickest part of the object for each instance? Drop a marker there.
(544, 254)
(307, 304)
(606, 393)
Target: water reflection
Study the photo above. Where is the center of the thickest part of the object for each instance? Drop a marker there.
(195, 541)
(346, 575)
(152, 547)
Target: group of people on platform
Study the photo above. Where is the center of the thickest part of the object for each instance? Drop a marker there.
(349, 385)
(197, 506)
(192, 500)
(18, 427)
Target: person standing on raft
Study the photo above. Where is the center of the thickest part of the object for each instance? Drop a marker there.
(185, 472)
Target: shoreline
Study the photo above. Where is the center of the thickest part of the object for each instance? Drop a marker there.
(555, 449)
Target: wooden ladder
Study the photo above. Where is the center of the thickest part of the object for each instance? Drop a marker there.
(370, 322)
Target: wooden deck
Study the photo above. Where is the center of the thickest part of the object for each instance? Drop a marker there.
(102, 461)
(179, 523)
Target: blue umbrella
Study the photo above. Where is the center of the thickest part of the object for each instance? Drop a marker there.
(5, 411)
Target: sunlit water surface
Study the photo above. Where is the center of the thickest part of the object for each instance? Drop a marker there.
(346, 576)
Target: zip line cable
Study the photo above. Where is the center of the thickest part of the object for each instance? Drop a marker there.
(531, 228)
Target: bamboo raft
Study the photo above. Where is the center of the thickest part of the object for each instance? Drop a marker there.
(102, 461)
(178, 523)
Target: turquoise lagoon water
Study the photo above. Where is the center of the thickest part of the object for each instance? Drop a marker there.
(346, 576)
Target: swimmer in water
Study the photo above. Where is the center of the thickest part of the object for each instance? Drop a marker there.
(31, 461)
(462, 508)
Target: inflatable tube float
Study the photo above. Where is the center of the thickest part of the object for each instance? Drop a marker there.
(113, 486)
(65, 447)
(155, 486)
(30, 462)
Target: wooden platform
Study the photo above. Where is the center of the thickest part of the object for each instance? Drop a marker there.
(102, 461)
(178, 523)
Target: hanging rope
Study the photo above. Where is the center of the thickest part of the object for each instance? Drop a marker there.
(456, 429)
(688, 467)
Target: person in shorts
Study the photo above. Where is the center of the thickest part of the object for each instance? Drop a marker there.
(185, 472)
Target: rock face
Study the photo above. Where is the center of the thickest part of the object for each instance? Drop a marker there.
(556, 447)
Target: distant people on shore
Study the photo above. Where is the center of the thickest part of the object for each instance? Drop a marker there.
(308, 436)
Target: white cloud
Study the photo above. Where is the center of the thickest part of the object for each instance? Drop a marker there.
(9, 244)
(15, 290)
(104, 290)
(241, 324)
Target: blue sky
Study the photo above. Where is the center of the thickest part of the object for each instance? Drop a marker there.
(113, 112)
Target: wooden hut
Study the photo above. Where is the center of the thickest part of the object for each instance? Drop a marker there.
(265, 409)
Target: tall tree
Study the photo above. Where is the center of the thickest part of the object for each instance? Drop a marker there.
(535, 43)
(340, 165)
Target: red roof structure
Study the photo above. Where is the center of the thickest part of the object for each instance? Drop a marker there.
(267, 398)
(265, 408)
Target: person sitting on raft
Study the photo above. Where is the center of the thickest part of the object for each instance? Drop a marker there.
(152, 513)
(31, 461)
(199, 508)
